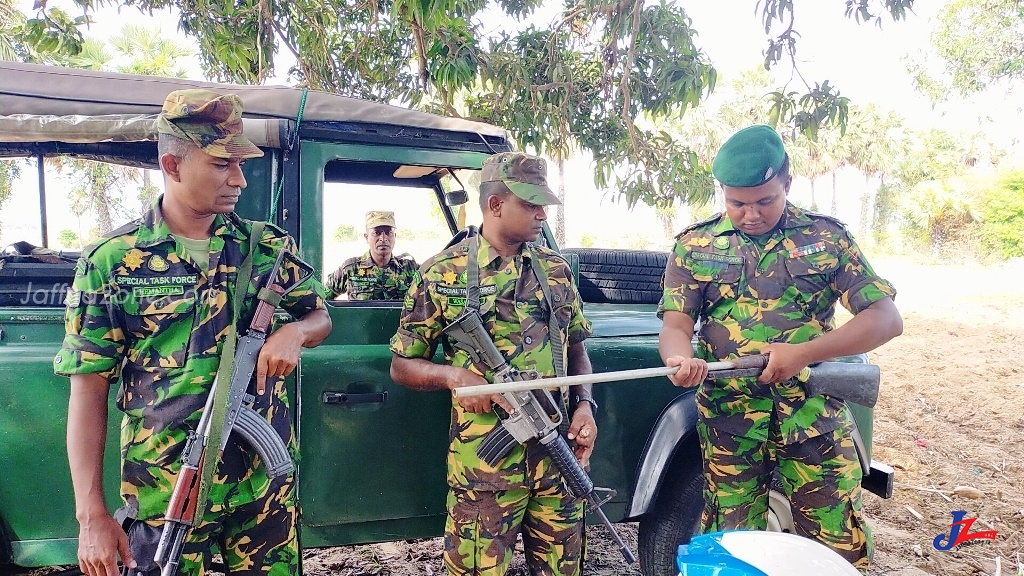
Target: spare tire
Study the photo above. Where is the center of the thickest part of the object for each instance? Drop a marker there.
(620, 276)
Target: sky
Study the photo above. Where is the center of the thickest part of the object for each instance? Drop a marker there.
(864, 61)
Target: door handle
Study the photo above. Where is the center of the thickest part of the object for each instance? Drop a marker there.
(350, 399)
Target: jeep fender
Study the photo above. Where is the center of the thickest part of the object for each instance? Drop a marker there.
(677, 422)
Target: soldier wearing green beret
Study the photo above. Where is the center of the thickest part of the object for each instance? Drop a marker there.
(764, 277)
(151, 308)
(378, 274)
(531, 308)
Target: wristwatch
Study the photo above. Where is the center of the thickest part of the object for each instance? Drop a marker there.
(587, 398)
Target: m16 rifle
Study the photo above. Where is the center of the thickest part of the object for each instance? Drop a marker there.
(535, 416)
(184, 508)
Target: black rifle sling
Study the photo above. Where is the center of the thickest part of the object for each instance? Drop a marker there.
(554, 336)
(473, 276)
(215, 434)
(554, 330)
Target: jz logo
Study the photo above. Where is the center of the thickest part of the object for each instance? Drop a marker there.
(960, 532)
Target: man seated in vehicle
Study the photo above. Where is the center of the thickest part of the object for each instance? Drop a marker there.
(378, 274)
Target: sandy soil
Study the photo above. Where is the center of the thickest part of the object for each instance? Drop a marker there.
(951, 414)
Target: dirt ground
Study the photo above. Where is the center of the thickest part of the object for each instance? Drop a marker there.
(951, 414)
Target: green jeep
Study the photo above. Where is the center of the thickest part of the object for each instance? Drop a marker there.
(365, 474)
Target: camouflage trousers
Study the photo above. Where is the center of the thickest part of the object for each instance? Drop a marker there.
(257, 538)
(482, 526)
(820, 476)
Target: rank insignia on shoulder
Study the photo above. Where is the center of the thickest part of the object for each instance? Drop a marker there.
(158, 264)
(73, 299)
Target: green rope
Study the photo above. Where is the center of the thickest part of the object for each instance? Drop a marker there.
(292, 144)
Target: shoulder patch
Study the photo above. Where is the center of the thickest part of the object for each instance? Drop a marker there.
(712, 220)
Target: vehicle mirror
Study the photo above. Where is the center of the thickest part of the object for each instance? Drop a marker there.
(456, 197)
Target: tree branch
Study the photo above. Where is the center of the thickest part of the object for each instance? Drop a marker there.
(627, 118)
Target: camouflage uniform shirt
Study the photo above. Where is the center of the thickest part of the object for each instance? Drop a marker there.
(363, 280)
(514, 314)
(747, 296)
(142, 311)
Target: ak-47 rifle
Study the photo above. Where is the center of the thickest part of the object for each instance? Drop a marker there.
(184, 509)
(857, 383)
(535, 416)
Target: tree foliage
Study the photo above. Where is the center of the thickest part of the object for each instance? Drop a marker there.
(980, 42)
(937, 201)
(593, 79)
(9, 172)
(1002, 216)
(43, 35)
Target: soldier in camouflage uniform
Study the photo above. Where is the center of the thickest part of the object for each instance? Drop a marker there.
(765, 278)
(378, 274)
(151, 307)
(489, 506)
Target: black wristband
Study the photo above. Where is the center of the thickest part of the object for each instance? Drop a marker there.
(589, 399)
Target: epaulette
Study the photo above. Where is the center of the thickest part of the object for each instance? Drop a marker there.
(405, 256)
(828, 217)
(350, 261)
(713, 219)
(449, 253)
(128, 228)
(546, 251)
(246, 225)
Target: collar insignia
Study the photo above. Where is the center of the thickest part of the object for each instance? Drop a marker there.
(158, 264)
(132, 260)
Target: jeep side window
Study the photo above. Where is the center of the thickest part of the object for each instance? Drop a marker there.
(84, 200)
(421, 231)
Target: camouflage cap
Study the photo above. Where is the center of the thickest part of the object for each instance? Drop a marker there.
(525, 176)
(749, 157)
(376, 218)
(213, 121)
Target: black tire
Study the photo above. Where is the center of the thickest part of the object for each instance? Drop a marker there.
(620, 276)
(676, 515)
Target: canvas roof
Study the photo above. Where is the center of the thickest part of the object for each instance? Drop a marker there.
(31, 89)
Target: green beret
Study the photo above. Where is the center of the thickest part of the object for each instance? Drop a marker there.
(749, 157)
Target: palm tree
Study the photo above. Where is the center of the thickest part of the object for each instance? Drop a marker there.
(816, 158)
(873, 142)
(148, 53)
